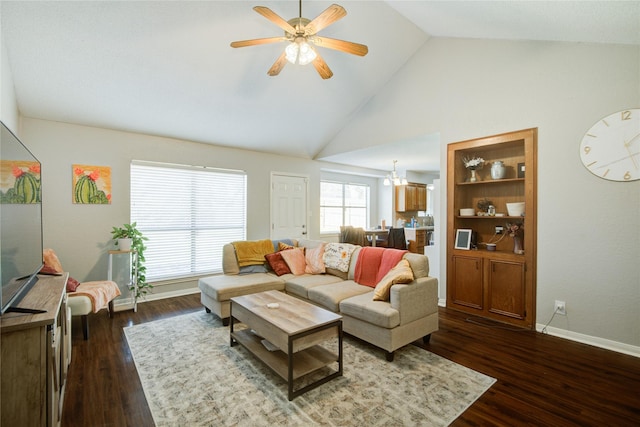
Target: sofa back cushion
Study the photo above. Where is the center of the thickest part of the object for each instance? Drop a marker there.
(419, 264)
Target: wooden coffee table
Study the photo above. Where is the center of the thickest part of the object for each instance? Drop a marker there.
(295, 327)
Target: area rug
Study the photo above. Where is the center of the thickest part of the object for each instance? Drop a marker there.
(192, 377)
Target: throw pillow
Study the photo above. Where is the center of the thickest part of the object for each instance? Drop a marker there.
(401, 273)
(295, 260)
(52, 266)
(338, 255)
(276, 244)
(313, 258)
(72, 284)
(283, 246)
(277, 263)
(51, 261)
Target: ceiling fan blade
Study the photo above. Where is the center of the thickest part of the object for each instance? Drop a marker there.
(278, 65)
(322, 68)
(275, 18)
(341, 45)
(255, 42)
(326, 18)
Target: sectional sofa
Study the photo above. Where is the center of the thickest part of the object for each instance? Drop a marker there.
(408, 311)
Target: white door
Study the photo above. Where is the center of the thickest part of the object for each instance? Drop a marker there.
(288, 206)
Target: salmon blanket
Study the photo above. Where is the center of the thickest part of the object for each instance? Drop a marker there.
(252, 252)
(374, 263)
(99, 292)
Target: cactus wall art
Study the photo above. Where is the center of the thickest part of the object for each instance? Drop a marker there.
(20, 182)
(91, 184)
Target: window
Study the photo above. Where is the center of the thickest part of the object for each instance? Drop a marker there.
(343, 204)
(188, 213)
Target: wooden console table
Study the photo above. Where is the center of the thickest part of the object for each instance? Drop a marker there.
(36, 352)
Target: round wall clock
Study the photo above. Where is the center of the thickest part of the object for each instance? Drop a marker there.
(611, 147)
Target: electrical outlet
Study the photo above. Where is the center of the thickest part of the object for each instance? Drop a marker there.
(499, 229)
(560, 308)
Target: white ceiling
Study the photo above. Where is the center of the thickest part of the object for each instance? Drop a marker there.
(166, 68)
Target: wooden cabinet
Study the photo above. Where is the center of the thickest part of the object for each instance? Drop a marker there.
(411, 197)
(35, 356)
(499, 284)
(417, 238)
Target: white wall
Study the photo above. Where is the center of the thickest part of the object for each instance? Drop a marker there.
(588, 228)
(8, 103)
(80, 234)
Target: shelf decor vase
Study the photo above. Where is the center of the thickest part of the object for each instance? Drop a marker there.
(517, 245)
(473, 177)
(497, 170)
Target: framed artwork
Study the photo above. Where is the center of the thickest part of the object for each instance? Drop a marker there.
(463, 239)
(91, 184)
(520, 170)
(19, 182)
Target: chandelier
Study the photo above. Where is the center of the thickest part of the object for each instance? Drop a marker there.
(394, 178)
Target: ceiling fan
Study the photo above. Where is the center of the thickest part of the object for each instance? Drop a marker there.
(301, 33)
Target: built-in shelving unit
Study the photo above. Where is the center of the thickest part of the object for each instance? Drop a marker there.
(499, 284)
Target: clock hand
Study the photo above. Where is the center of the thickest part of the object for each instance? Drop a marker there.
(626, 145)
(619, 160)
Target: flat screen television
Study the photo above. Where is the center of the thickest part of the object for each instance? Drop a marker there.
(20, 221)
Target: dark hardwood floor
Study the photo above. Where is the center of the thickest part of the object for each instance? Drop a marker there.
(542, 380)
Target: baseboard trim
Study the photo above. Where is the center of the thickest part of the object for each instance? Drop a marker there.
(619, 347)
(631, 350)
(127, 303)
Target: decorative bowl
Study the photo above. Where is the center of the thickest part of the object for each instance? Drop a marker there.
(467, 212)
(491, 246)
(515, 209)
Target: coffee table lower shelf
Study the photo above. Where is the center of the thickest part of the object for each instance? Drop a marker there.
(291, 368)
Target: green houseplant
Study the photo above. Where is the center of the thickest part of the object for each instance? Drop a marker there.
(130, 231)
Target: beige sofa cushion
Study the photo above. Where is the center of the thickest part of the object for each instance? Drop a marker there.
(300, 285)
(363, 307)
(329, 296)
(223, 287)
(419, 264)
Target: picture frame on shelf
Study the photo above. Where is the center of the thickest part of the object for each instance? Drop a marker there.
(463, 239)
(520, 170)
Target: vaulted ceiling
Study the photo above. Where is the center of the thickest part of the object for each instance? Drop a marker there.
(166, 68)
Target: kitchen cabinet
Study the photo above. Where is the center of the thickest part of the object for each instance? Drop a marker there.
(499, 284)
(417, 238)
(411, 197)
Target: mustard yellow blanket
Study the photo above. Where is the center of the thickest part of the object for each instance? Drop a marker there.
(252, 252)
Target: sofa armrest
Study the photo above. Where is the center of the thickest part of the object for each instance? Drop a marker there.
(416, 299)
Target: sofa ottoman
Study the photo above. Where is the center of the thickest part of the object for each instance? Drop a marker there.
(216, 291)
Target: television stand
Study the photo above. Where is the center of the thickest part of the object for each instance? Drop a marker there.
(36, 351)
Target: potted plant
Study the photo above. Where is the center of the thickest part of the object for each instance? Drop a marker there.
(129, 231)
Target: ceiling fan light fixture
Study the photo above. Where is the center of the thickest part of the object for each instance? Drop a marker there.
(300, 52)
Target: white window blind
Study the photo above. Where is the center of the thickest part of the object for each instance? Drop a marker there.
(343, 203)
(188, 213)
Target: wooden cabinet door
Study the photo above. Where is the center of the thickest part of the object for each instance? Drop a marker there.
(506, 288)
(421, 192)
(467, 282)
